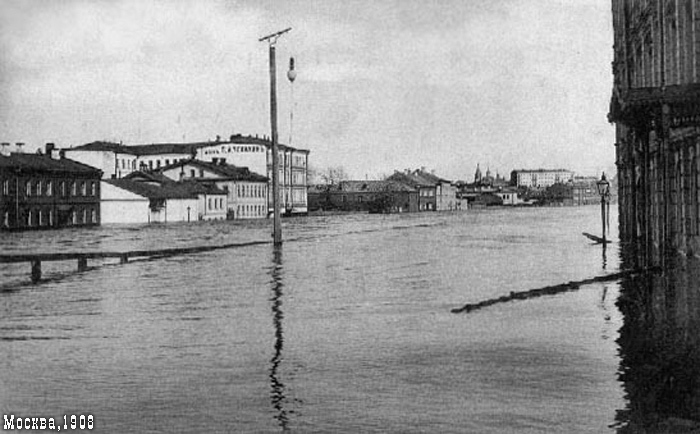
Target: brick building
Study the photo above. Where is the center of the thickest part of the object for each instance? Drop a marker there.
(47, 191)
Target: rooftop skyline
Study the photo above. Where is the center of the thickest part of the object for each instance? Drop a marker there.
(380, 85)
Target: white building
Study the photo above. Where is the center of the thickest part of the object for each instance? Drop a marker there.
(540, 178)
(117, 160)
(150, 198)
(247, 191)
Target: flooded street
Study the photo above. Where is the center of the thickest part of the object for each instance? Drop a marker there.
(346, 328)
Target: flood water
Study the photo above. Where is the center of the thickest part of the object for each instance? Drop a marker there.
(347, 328)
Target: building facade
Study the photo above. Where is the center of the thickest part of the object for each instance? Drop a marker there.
(117, 160)
(43, 192)
(365, 196)
(247, 191)
(655, 106)
(143, 197)
(540, 178)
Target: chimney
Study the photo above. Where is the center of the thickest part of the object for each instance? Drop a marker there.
(422, 168)
(19, 146)
(5, 150)
(218, 138)
(52, 152)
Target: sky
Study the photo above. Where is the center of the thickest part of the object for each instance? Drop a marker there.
(381, 85)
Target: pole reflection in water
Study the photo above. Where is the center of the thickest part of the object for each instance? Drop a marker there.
(605, 256)
(277, 392)
(659, 346)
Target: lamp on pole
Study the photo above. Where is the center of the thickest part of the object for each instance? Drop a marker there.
(604, 192)
(272, 41)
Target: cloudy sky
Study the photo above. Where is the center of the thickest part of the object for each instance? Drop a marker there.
(381, 84)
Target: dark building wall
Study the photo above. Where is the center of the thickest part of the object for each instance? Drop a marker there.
(365, 201)
(656, 108)
(36, 200)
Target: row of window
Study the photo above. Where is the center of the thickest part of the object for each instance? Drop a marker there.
(216, 203)
(251, 210)
(46, 217)
(46, 188)
(250, 190)
(124, 164)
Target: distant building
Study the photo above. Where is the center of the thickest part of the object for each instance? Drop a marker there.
(585, 190)
(247, 191)
(509, 196)
(369, 196)
(540, 178)
(47, 191)
(445, 192)
(434, 193)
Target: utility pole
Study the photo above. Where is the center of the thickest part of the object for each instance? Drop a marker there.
(277, 225)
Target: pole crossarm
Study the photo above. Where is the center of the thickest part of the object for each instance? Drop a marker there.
(272, 39)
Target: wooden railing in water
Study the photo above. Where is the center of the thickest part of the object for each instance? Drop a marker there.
(35, 259)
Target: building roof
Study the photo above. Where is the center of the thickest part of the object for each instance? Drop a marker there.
(373, 186)
(158, 186)
(178, 148)
(44, 163)
(416, 178)
(540, 170)
(104, 146)
(225, 171)
(430, 177)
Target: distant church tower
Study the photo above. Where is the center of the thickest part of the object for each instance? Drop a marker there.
(477, 174)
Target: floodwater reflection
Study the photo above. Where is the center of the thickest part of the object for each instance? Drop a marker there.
(659, 345)
(277, 387)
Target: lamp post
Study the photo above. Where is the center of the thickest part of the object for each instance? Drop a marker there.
(272, 41)
(604, 192)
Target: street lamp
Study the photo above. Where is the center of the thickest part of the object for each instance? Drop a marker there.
(604, 192)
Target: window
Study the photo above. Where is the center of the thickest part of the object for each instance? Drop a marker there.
(28, 188)
(73, 217)
(201, 173)
(49, 188)
(6, 187)
(150, 165)
(83, 188)
(29, 218)
(73, 188)
(41, 218)
(209, 203)
(63, 188)
(167, 162)
(93, 188)
(38, 188)
(157, 163)
(50, 217)
(192, 174)
(93, 216)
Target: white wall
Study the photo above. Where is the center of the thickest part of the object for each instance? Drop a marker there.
(176, 211)
(121, 206)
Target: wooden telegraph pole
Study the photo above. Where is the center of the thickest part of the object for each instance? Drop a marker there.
(277, 231)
